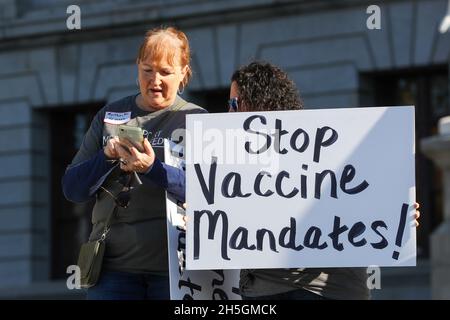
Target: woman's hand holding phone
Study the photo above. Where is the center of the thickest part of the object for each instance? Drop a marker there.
(133, 159)
(111, 148)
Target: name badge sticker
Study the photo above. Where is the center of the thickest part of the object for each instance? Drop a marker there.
(117, 117)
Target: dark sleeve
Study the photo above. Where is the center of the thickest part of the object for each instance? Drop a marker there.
(89, 167)
(172, 179)
(80, 182)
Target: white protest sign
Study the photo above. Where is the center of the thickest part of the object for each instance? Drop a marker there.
(190, 284)
(307, 188)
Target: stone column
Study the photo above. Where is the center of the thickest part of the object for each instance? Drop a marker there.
(437, 148)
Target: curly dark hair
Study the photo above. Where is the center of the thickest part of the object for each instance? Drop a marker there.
(265, 87)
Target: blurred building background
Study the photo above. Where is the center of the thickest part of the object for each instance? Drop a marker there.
(53, 80)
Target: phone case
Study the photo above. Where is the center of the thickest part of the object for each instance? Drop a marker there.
(133, 134)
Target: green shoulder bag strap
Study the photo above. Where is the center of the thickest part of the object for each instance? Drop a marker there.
(108, 222)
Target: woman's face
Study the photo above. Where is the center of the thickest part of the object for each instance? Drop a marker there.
(159, 82)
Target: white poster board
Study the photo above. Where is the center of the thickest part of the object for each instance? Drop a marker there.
(307, 188)
(189, 284)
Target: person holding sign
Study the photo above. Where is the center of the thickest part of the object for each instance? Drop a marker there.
(129, 220)
(264, 87)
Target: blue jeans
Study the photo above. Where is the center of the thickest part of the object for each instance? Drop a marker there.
(298, 294)
(114, 285)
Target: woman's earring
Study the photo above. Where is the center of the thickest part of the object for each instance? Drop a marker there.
(181, 91)
(137, 82)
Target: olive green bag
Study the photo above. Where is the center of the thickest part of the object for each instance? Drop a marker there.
(90, 262)
(90, 258)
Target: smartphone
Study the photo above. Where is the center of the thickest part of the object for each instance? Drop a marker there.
(135, 135)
